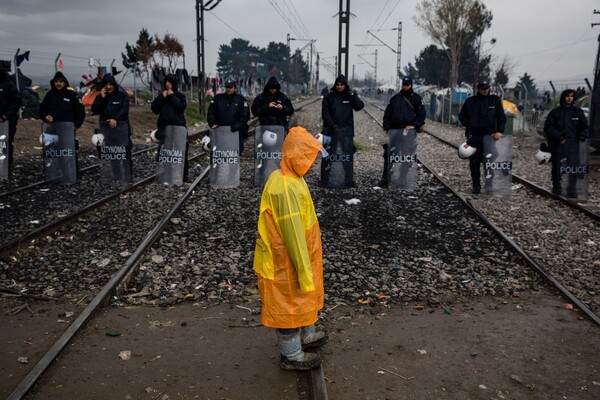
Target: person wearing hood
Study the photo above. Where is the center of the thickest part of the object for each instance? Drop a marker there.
(338, 123)
(61, 103)
(170, 106)
(112, 105)
(481, 115)
(337, 106)
(404, 111)
(288, 256)
(230, 109)
(565, 127)
(272, 107)
(10, 102)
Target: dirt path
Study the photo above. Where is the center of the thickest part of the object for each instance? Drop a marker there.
(526, 347)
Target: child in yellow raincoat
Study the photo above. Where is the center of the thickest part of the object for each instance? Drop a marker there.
(288, 258)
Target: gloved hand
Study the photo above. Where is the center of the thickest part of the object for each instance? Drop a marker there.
(205, 141)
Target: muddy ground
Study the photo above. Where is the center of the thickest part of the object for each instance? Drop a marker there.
(526, 347)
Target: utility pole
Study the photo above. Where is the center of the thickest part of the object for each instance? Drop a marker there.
(398, 56)
(317, 74)
(56, 63)
(343, 41)
(594, 113)
(397, 52)
(200, 8)
(308, 59)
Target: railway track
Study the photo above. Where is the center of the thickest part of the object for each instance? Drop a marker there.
(208, 237)
(509, 220)
(118, 282)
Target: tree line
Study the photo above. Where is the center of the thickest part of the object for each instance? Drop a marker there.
(237, 60)
(458, 55)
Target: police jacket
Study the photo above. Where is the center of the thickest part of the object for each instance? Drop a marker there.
(566, 123)
(288, 256)
(170, 108)
(62, 105)
(114, 106)
(337, 106)
(482, 115)
(226, 110)
(269, 115)
(399, 113)
(10, 98)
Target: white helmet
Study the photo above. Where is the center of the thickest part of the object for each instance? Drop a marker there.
(97, 139)
(543, 156)
(205, 141)
(269, 138)
(48, 139)
(466, 151)
(153, 136)
(323, 139)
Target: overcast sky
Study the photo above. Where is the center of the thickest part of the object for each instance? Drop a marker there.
(548, 39)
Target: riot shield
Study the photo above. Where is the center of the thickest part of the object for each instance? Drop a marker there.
(4, 149)
(224, 158)
(171, 155)
(574, 168)
(337, 167)
(402, 153)
(268, 140)
(115, 153)
(497, 166)
(59, 153)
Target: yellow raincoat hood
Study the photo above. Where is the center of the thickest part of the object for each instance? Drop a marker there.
(288, 253)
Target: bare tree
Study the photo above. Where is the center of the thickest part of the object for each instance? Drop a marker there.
(169, 48)
(503, 70)
(453, 24)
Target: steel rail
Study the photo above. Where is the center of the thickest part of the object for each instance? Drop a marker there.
(535, 187)
(51, 227)
(192, 136)
(104, 294)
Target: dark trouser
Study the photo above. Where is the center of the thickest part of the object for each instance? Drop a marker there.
(386, 166)
(476, 160)
(12, 132)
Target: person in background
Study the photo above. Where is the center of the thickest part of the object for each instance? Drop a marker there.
(337, 106)
(272, 107)
(61, 103)
(404, 111)
(566, 126)
(170, 105)
(112, 105)
(481, 115)
(288, 257)
(10, 102)
(230, 109)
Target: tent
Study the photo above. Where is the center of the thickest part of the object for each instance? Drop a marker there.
(510, 107)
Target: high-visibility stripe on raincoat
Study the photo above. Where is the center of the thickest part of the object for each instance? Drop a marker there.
(288, 257)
